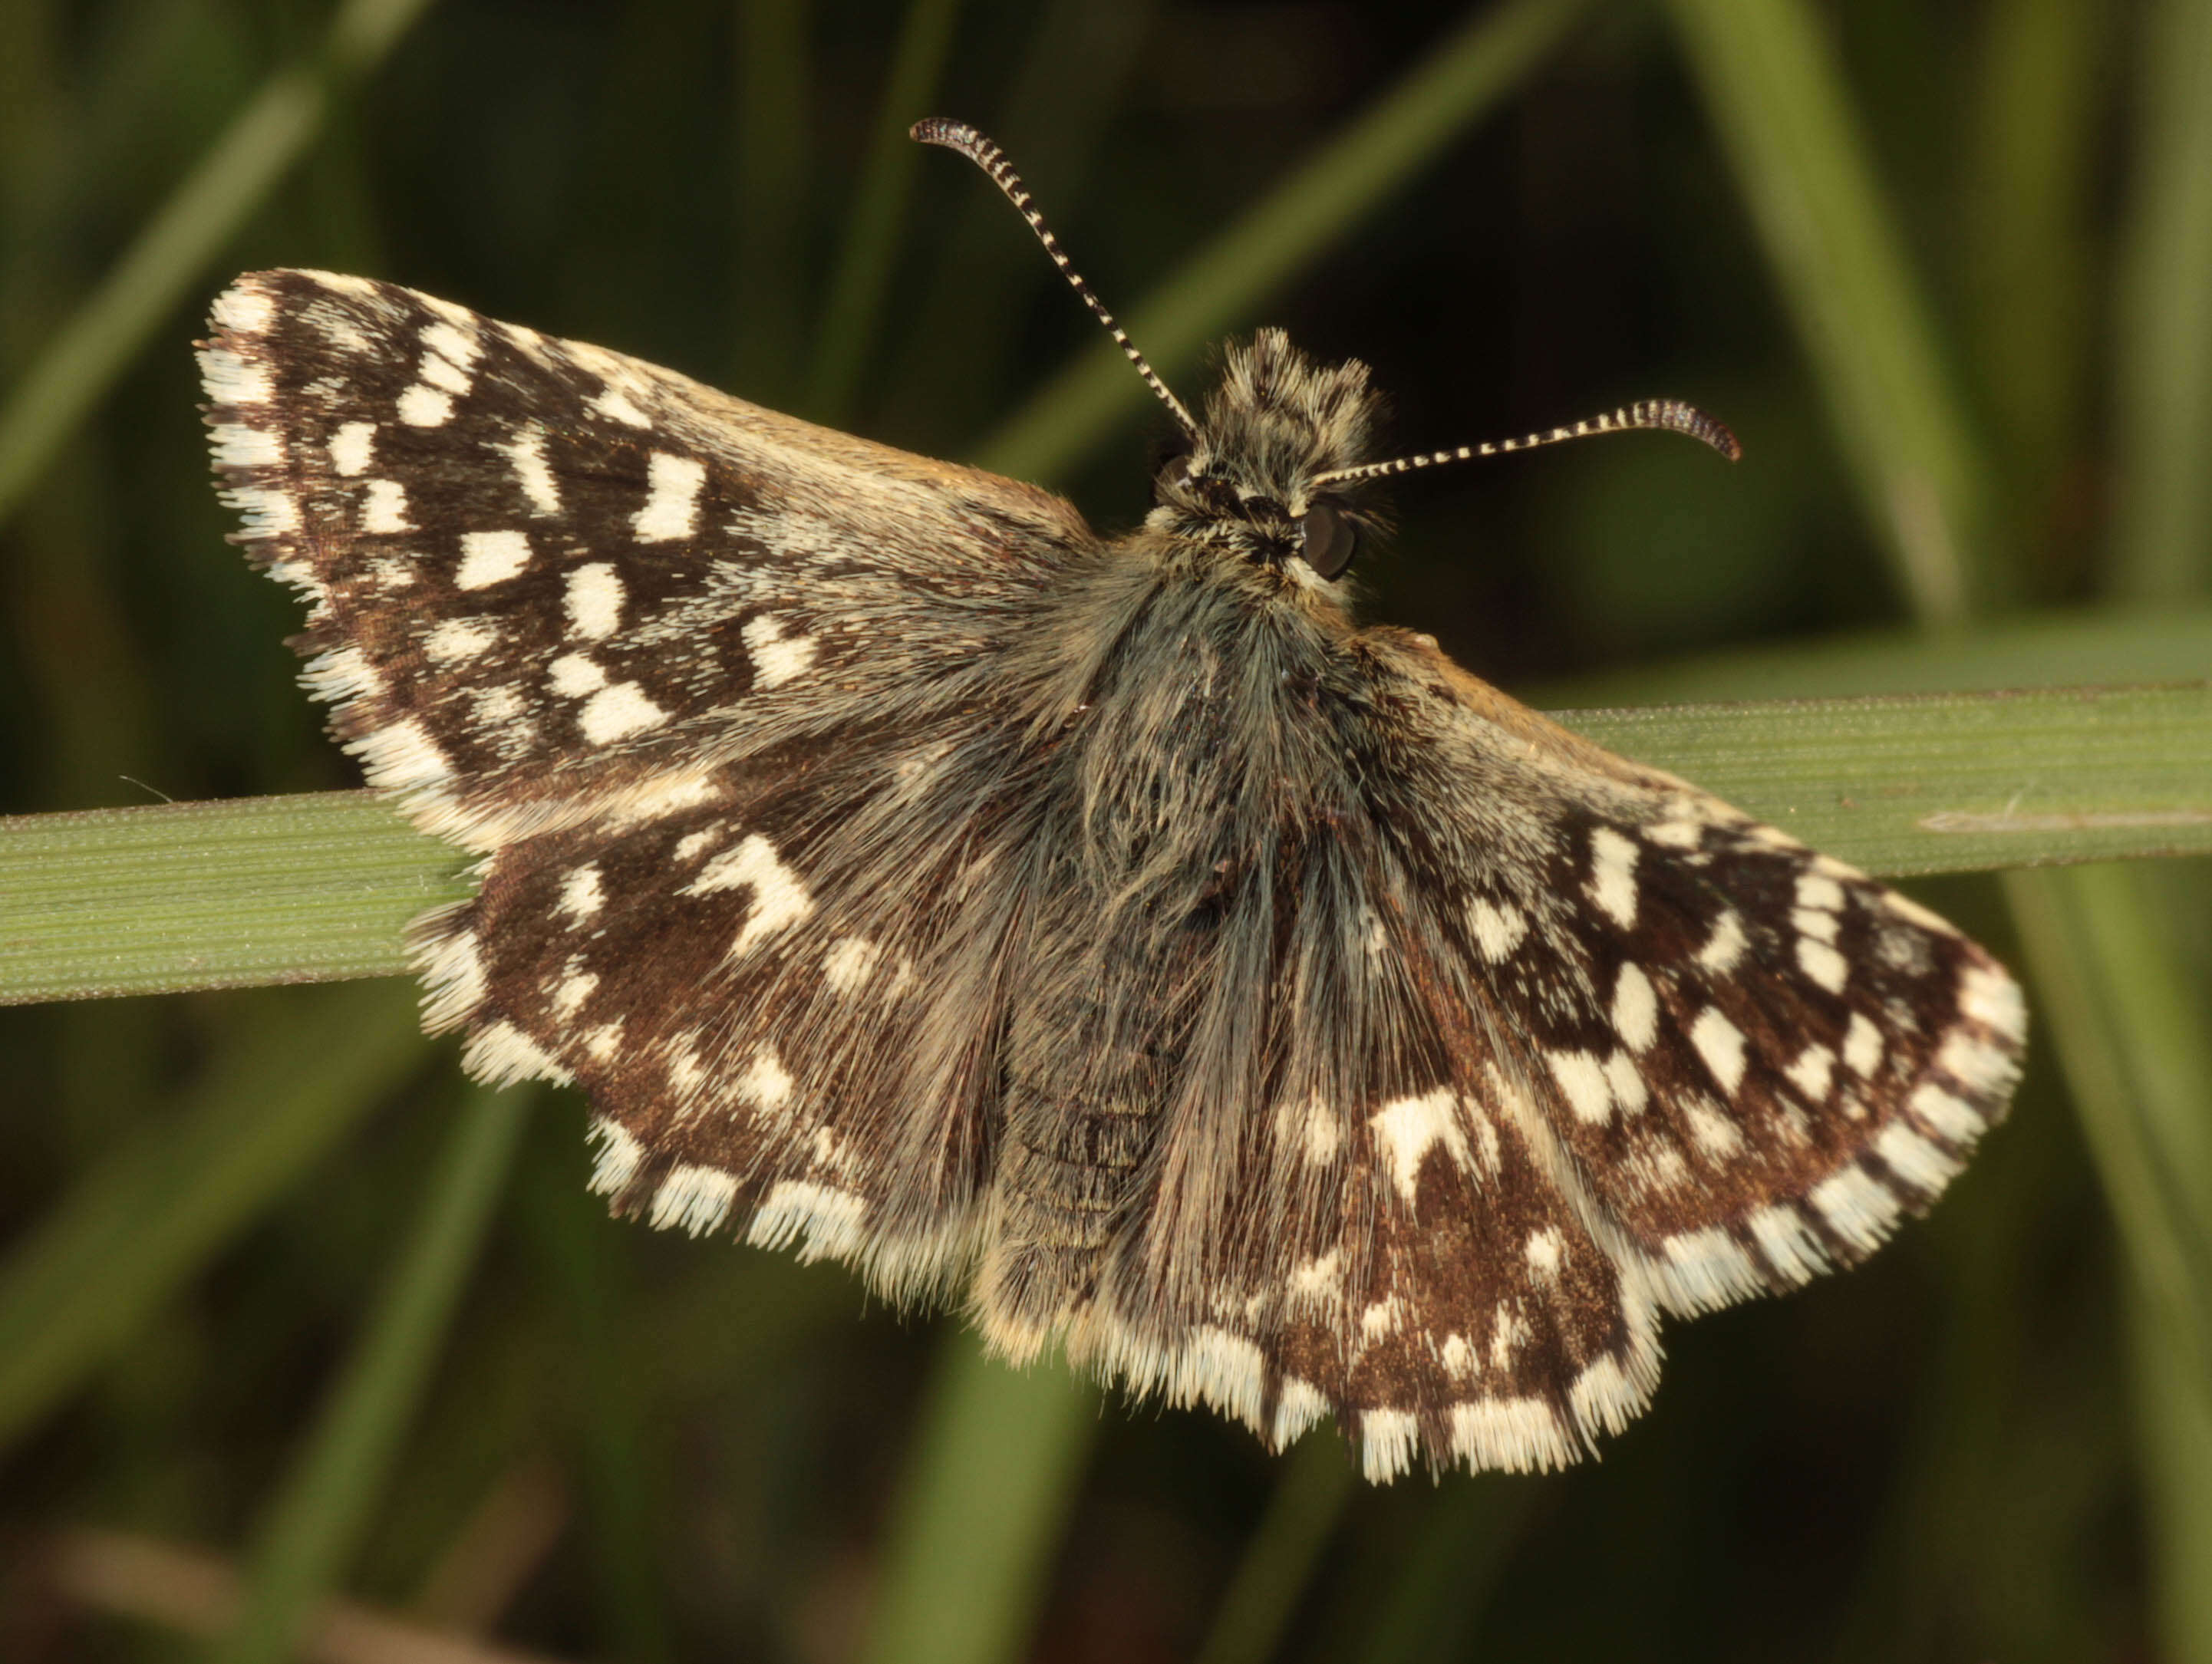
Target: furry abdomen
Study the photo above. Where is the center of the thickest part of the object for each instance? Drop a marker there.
(1208, 752)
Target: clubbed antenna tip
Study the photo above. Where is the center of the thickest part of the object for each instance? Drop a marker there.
(1671, 414)
(959, 135)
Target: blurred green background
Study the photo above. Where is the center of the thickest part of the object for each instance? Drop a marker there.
(287, 1313)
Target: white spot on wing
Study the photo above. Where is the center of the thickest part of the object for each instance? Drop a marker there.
(828, 1220)
(1811, 921)
(1914, 1159)
(850, 962)
(267, 512)
(1721, 1043)
(1813, 1071)
(1988, 996)
(594, 599)
(1635, 1008)
(1298, 1406)
(1788, 1243)
(581, 893)
(766, 1082)
(1607, 1395)
(574, 987)
(340, 674)
(353, 448)
(229, 380)
(1410, 1127)
(1318, 1284)
(1497, 930)
(1581, 1076)
(1546, 1251)
(401, 756)
(1310, 1126)
(1716, 1133)
(239, 446)
(777, 657)
(1708, 1269)
(453, 978)
(1947, 1114)
(491, 557)
(614, 402)
(247, 311)
(1389, 1442)
(1823, 963)
(425, 407)
(617, 1156)
(672, 504)
(1380, 1321)
(779, 900)
(1858, 1207)
(527, 452)
(1974, 1063)
(1613, 875)
(615, 712)
(384, 508)
(1626, 1082)
(442, 372)
(695, 1198)
(499, 1055)
(458, 345)
(453, 640)
(1724, 949)
(1863, 1046)
(1517, 1434)
(573, 675)
(1817, 890)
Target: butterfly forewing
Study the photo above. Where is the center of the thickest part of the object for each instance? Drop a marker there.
(547, 579)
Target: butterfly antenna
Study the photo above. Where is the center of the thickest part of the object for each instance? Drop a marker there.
(959, 135)
(1671, 414)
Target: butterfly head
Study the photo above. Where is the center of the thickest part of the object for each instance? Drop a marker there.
(1274, 471)
(1252, 475)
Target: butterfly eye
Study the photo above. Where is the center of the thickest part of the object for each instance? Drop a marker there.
(1328, 540)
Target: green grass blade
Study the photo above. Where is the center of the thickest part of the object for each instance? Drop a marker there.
(863, 273)
(617, 1451)
(770, 111)
(991, 1475)
(1353, 176)
(1950, 782)
(312, 887)
(288, 889)
(1432, 1608)
(2163, 542)
(1316, 1481)
(128, 1234)
(177, 247)
(1777, 98)
(323, 1507)
(2136, 1060)
(2176, 1415)
(2084, 648)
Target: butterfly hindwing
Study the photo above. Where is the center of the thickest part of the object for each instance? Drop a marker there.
(1555, 1048)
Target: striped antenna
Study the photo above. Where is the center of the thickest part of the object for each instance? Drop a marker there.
(959, 135)
(1668, 413)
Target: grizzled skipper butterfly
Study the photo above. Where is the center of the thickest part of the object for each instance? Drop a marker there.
(1105, 934)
